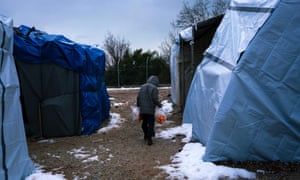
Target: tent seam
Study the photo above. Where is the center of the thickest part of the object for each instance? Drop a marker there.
(3, 108)
(251, 9)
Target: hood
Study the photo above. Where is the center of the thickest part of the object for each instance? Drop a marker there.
(153, 80)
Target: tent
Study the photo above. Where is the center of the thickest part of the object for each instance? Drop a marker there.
(14, 159)
(244, 98)
(259, 118)
(187, 53)
(62, 84)
(240, 23)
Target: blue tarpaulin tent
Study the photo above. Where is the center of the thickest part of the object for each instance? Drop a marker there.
(36, 47)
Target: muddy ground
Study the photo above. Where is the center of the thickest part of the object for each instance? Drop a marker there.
(123, 154)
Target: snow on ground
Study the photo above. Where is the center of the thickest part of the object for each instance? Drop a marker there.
(187, 163)
(40, 175)
(115, 122)
(185, 129)
(45, 176)
(84, 155)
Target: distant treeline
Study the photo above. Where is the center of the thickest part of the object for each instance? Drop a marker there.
(135, 68)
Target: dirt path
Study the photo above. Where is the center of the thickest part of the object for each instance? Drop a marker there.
(122, 152)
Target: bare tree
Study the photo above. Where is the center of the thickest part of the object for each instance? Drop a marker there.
(219, 7)
(109, 61)
(115, 47)
(190, 14)
(166, 45)
(199, 11)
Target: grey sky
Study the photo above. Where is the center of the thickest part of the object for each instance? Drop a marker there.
(145, 23)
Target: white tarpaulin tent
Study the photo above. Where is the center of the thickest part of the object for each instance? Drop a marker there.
(14, 159)
(241, 22)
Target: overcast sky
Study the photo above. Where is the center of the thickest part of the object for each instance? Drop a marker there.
(144, 23)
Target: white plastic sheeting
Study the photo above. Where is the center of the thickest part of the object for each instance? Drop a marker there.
(240, 23)
(174, 72)
(187, 34)
(238, 27)
(14, 159)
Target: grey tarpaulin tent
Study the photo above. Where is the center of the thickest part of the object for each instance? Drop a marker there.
(14, 159)
(238, 27)
(244, 99)
(259, 117)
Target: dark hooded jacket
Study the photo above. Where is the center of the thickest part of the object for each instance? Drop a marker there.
(147, 97)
